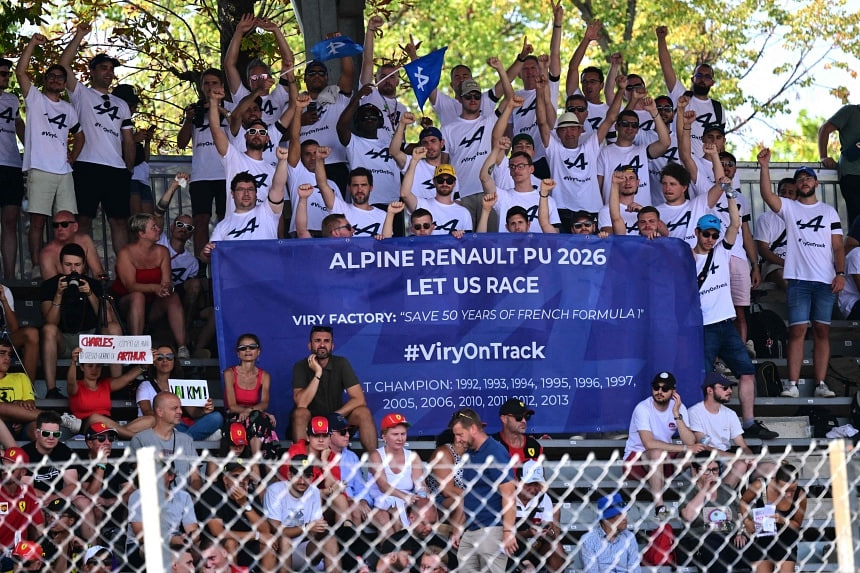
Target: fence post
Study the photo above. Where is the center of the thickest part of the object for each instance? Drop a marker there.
(151, 494)
(844, 506)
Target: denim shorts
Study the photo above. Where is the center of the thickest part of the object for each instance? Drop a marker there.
(809, 300)
(722, 339)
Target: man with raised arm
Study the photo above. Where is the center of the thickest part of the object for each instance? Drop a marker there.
(433, 141)
(367, 219)
(588, 84)
(448, 216)
(11, 177)
(384, 92)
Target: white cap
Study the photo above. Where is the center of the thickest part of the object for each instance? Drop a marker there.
(532, 472)
(93, 551)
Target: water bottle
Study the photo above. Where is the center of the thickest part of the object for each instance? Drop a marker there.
(706, 441)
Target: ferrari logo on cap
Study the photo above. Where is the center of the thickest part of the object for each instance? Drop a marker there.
(398, 417)
(522, 404)
(531, 452)
(319, 423)
(239, 433)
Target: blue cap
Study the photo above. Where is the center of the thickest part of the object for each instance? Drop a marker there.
(430, 131)
(807, 171)
(709, 222)
(610, 506)
(716, 378)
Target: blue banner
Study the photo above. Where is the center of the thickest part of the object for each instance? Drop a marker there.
(575, 326)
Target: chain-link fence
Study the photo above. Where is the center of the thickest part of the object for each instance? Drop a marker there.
(709, 511)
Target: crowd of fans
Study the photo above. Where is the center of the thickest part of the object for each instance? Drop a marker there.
(286, 153)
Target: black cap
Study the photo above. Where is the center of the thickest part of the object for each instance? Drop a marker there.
(717, 378)
(666, 378)
(721, 127)
(127, 93)
(102, 58)
(514, 407)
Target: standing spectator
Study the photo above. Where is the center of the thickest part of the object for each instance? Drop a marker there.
(385, 82)
(24, 516)
(11, 179)
(515, 416)
(610, 547)
(366, 219)
(814, 268)
(54, 475)
(770, 237)
(448, 216)
(319, 383)
(847, 122)
(66, 232)
(419, 534)
(246, 393)
(489, 500)
(103, 169)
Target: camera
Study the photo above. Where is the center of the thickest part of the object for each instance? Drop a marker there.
(73, 280)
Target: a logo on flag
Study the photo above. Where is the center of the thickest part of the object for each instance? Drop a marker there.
(424, 74)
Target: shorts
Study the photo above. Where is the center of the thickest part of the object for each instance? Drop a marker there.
(72, 341)
(142, 190)
(204, 192)
(49, 193)
(809, 300)
(99, 184)
(11, 186)
(722, 339)
(640, 470)
(741, 283)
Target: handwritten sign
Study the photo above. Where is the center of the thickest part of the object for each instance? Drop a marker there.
(190, 392)
(110, 349)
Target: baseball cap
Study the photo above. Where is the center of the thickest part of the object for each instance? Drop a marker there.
(805, 171)
(394, 419)
(28, 551)
(296, 464)
(445, 169)
(514, 407)
(523, 137)
(93, 551)
(62, 507)
(532, 472)
(709, 221)
(665, 377)
(15, 455)
(318, 426)
(430, 131)
(316, 64)
(717, 378)
(610, 506)
(127, 93)
(102, 58)
(238, 434)
(714, 127)
(469, 86)
(97, 429)
(568, 119)
(337, 422)
(627, 169)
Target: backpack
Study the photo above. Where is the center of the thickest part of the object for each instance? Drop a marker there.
(842, 371)
(661, 547)
(821, 420)
(768, 384)
(768, 332)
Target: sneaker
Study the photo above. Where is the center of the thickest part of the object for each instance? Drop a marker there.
(750, 348)
(822, 391)
(54, 393)
(182, 352)
(760, 431)
(791, 391)
(720, 366)
(71, 422)
(662, 512)
(577, 437)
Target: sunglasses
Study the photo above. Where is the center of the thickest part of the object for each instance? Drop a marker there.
(343, 432)
(727, 163)
(703, 76)
(110, 437)
(636, 87)
(341, 228)
(49, 77)
(255, 131)
(710, 234)
(471, 96)
(256, 77)
(182, 225)
(665, 108)
(319, 73)
(63, 224)
(245, 347)
(625, 123)
(419, 226)
(662, 388)
(49, 434)
(168, 356)
(446, 180)
(521, 417)
(579, 108)
(583, 224)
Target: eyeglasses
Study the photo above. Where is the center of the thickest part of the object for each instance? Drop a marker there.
(710, 234)
(244, 347)
(110, 436)
(662, 388)
(167, 356)
(727, 163)
(703, 76)
(471, 96)
(63, 224)
(635, 87)
(714, 471)
(665, 108)
(181, 225)
(446, 180)
(255, 131)
(633, 124)
(307, 474)
(518, 166)
(255, 77)
(579, 108)
(313, 73)
(50, 434)
(343, 432)
(521, 417)
(49, 77)
(419, 226)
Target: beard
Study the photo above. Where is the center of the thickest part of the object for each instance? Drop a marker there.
(701, 90)
(255, 146)
(809, 193)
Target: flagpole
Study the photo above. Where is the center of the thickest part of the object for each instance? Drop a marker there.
(295, 67)
(379, 81)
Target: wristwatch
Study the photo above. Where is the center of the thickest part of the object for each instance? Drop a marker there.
(731, 194)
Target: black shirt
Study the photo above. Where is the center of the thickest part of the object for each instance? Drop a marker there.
(76, 312)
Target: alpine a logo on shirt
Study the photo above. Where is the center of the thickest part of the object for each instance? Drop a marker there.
(372, 229)
(106, 107)
(450, 226)
(428, 184)
(476, 137)
(632, 228)
(8, 115)
(580, 162)
(704, 119)
(249, 227)
(382, 154)
(671, 154)
(267, 107)
(683, 221)
(58, 120)
(523, 111)
(177, 273)
(595, 122)
(260, 180)
(647, 125)
(815, 224)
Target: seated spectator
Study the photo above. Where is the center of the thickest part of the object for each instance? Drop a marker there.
(655, 420)
(610, 546)
(581, 222)
(54, 475)
(434, 560)
(17, 399)
(779, 544)
(24, 519)
(420, 534)
(337, 226)
(514, 416)
(717, 426)
(357, 488)
(539, 533)
(144, 281)
(72, 304)
(29, 556)
(770, 237)
(65, 233)
(59, 540)
(201, 423)
(217, 559)
(24, 337)
(246, 396)
(295, 513)
(90, 397)
(398, 475)
(445, 480)
(183, 558)
(713, 539)
(98, 559)
(234, 444)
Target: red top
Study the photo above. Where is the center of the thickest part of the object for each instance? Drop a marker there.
(16, 513)
(86, 402)
(247, 397)
(143, 276)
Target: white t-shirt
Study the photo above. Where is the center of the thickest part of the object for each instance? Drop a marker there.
(722, 427)
(281, 505)
(524, 118)
(274, 103)
(103, 117)
(468, 142)
(721, 210)
(448, 109)
(612, 156)
(502, 176)
(681, 219)
(528, 200)
(656, 165)
(809, 230)
(575, 174)
(631, 219)
(422, 184)
(262, 171)
(769, 228)
(184, 265)
(447, 218)
(329, 107)
(317, 210)
(705, 115)
(646, 416)
(373, 154)
(9, 113)
(257, 224)
(205, 160)
(46, 133)
(392, 110)
(715, 293)
(544, 513)
(269, 154)
(849, 296)
(365, 223)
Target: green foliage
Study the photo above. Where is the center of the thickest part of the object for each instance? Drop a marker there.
(801, 144)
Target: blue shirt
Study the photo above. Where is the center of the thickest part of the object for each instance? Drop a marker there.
(600, 555)
(485, 471)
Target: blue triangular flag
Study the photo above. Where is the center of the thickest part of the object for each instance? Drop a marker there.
(337, 47)
(424, 74)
